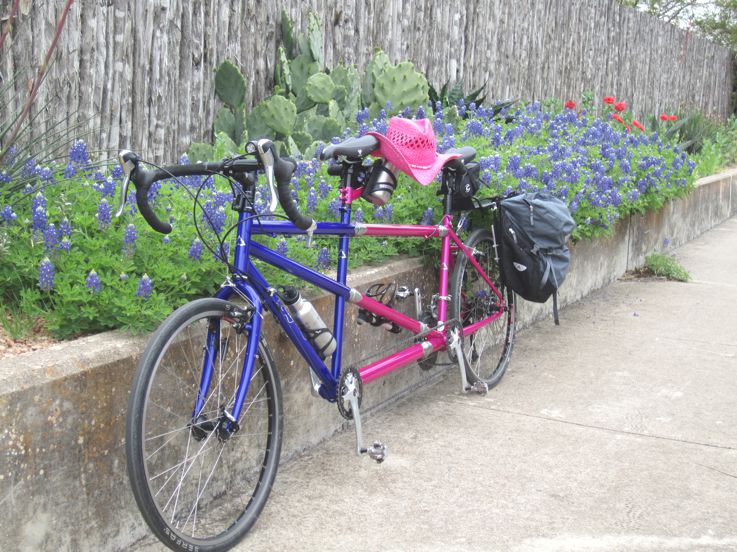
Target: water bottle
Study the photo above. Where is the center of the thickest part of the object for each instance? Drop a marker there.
(306, 316)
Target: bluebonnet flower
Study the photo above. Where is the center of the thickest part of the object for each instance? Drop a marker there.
(5, 177)
(51, 237)
(46, 275)
(145, 287)
(311, 200)
(129, 239)
(69, 171)
(475, 128)
(29, 168)
(78, 153)
(362, 116)
(334, 208)
(461, 107)
(380, 126)
(427, 217)
(108, 187)
(358, 215)
(379, 213)
(123, 277)
(323, 188)
(407, 112)
(214, 217)
(104, 214)
(45, 174)
(195, 250)
(65, 245)
(323, 259)
(93, 282)
(389, 212)
(420, 113)
(65, 228)
(39, 219)
(7, 214)
(184, 159)
(282, 247)
(166, 240)
(117, 171)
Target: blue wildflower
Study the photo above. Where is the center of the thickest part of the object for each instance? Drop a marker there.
(282, 248)
(93, 282)
(46, 275)
(420, 113)
(70, 171)
(65, 228)
(323, 188)
(78, 153)
(145, 287)
(65, 245)
(334, 208)
(195, 250)
(323, 259)
(7, 214)
(39, 219)
(427, 216)
(104, 214)
(358, 215)
(311, 200)
(129, 239)
(51, 237)
(389, 212)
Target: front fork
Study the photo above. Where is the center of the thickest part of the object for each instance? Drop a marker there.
(248, 319)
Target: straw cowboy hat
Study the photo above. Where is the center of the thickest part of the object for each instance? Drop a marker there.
(410, 146)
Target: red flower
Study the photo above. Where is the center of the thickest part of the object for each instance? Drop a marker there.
(609, 100)
(638, 124)
(664, 117)
(628, 128)
(616, 117)
(621, 106)
(570, 104)
(673, 117)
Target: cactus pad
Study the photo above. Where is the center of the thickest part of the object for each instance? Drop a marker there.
(402, 86)
(230, 86)
(319, 88)
(280, 114)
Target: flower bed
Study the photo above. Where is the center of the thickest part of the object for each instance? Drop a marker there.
(67, 260)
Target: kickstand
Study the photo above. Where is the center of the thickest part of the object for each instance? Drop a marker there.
(476, 384)
(378, 450)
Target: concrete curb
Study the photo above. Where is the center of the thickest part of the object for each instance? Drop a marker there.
(62, 410)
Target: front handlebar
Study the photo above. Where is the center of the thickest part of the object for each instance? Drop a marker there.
(267, 160)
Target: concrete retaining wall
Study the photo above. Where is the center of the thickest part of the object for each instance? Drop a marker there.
(62, 410)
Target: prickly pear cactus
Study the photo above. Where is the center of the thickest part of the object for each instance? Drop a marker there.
(287, 35)
(199, 151)
(323, 128)
(256, 123)
(314, 38)
(402, 86)
(302, 68)
(225, 122)
(282, 74)
(347, 90)
(302, 139)
(230, 86)
(280, 114)
(319, 88)
(376, 66)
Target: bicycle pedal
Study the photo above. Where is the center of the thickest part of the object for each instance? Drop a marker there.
(479, 387)
(377, 451)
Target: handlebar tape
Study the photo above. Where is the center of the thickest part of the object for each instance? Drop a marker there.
(283, 169)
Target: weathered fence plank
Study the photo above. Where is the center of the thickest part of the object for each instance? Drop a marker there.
(143, 70)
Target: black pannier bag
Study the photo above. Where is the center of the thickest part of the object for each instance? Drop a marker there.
(534, 253)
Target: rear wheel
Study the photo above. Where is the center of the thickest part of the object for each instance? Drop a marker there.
(489, 348)
(200, 484)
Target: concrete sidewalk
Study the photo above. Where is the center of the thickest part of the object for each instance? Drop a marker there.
(616, 431)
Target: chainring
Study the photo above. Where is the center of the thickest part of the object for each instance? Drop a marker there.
(349, 379)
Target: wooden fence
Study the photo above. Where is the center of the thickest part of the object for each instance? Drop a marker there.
(143, 70)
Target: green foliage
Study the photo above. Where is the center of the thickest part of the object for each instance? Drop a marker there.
(451, 94)
(320, 88)
(230, 85)
(280, 114)
(400, 86)
(665, 266)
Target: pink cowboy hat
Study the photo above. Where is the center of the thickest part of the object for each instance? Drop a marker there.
(410, 146)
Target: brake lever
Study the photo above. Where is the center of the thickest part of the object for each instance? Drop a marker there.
(128, 161)
(263, 149)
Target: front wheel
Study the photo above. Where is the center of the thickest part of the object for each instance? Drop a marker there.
(488, 348)
(201, 482)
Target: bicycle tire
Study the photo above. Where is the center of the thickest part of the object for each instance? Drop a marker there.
(201, 494)
(489, 349)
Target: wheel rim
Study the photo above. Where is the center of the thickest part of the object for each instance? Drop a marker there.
(489, 348)
(201, 483)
